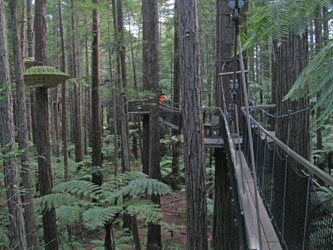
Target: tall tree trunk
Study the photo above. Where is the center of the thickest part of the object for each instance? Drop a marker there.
(77, 98)
(120, 86)
(318, 46)
(63, 95)
(30, 33)
(27, 197)
(151, 39)
(31, 53)
(193, 126)
(96, 121)
(225, 234)
(293, 57)
(176, 95)
(22, 28)
(8, 143)
(43, 142)
(114, 98)
(87, 103)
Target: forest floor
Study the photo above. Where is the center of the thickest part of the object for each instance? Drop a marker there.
(174, 223)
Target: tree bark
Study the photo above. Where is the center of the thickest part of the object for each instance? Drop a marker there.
(120, 86)
(43, 142)
(77, 97)
(31, 53)
(64, 122)
(318, 46)
(293, 57)
(22, 28)
(8, 143)
(96, 121)
(193, 126)
(151, 39)
(176, 96)
(225, 234)
(27, 197)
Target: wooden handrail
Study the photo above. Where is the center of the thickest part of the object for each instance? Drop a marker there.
(252, 235)
(326, 178)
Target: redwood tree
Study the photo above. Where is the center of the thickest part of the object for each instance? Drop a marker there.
(176, 95)
(151, 126)
(291, 58)
(96, 120)
(8, 143)
(43, 141)
(63, 94)
(193, 126)
(27, 197)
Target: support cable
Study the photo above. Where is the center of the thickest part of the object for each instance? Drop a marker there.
(236, 5)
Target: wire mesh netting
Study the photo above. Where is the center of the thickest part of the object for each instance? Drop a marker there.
(171, 117)
(294, 201)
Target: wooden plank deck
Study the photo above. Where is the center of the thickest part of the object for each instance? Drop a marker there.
(270, 240)
(209, 141)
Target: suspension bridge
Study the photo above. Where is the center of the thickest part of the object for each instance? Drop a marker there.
(280, 203)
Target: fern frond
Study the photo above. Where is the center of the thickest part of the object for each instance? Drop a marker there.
(54, 201)
(124, 178)
(67, 215)
(317, 77)
(97, 216)
(80, 188)
(145, 210)
(136, 187)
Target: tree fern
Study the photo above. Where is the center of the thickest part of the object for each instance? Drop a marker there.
(80, 188)
(317, 77)
(145, 210)
(277, 18)
(67, 215)
(97, 216)
(136, 187)
(54, 201)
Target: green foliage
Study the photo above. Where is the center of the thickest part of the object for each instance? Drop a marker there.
(145, 210)
(67, 215)
(74, 198)
(140, 186)
(80, 188)
(97, 216)
(274, 20)
(4, 224)
(54, 200)
(317, 77)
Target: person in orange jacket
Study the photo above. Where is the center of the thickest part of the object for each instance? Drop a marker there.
(162, 98)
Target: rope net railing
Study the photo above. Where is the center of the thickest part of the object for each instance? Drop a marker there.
(301, 209)
(171, 116)
(247, 240)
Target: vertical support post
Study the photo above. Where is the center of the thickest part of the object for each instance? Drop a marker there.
(285, 178)
(306, 211)
(239, 148)
(250, 137)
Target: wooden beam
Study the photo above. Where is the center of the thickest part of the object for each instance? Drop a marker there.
(231, 73)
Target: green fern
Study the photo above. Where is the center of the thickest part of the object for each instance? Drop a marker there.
(274, 20)
(54, 201)
(140, 186)
(80, 188)
(97, 216)
(145, 210)
(67, 215)
(317, 77)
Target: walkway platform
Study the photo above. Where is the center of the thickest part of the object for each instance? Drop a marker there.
(270, 240)
(210, 142)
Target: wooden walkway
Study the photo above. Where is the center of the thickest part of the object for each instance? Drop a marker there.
(270, 240)
(210, 142)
